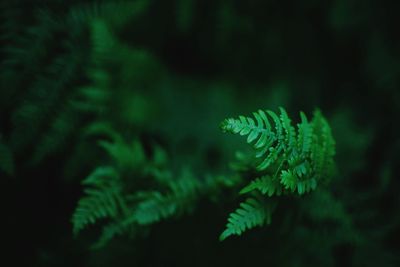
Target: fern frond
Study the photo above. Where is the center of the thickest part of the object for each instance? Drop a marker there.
(268, 141)
(286, 162)
(259, 132)
(300, 160)
(289, 180)
(292, 183)
(289, 129)
(265, 184)
(179, 199)
(305, 135)
(155, 207)
(324, 147)
(251, 213)
(103, 199)
(125, 155)
(110, 231)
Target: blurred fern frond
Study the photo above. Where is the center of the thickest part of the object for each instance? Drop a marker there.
(137, 190)
(52, 53)
(102, 200)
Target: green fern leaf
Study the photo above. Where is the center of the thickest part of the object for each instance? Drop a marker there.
(103, 199)
(157, 206)
(289, 180)
(126, 156)
(323, 149)
(250, 214)
(305, 134)
(247, 126)
(266, 185)
(289, 129)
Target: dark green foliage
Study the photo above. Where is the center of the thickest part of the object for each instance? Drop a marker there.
(52, 54)
(112, 192)
(129, 94)
(51, 71)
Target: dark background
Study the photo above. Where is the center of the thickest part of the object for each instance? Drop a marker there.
(180, 68)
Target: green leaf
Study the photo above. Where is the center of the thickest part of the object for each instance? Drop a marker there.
(250, 214)
(265, 184)
(103, 199)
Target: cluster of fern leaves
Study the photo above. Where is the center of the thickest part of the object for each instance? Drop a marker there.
(136, 190)
(284, 162)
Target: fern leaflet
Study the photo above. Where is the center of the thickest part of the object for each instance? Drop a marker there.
(102, 199)
(251, 213)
